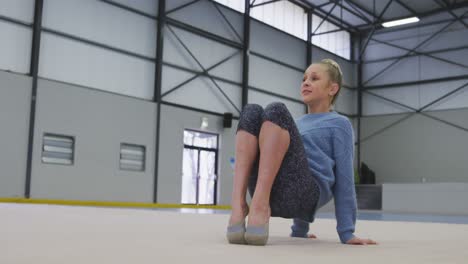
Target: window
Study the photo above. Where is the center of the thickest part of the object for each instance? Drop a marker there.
(238, 5)
(282, 15)
(329, 37)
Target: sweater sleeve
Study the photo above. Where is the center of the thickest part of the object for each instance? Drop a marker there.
(344, 190)
(300, 228)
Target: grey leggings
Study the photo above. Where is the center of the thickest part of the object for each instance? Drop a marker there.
(294, 193)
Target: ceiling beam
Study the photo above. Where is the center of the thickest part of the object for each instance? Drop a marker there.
(351, 11)
(411, 10)
(448, 9)
(362, 8)
(321, 13)
(420, 15)
(361, 15)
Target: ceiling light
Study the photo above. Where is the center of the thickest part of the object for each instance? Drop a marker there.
(400, 22)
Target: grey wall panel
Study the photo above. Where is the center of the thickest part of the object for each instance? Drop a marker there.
(418, 67)
(278, 45)
(15, 96)
(431, 68)
(207, 52)
(376, 50)
(408, 95)
(103, 23)
(433, 91)
(99, 122)
(21, 10)
(272, 77)
(454, 36)
(455, 116)
(230, 70)
(296, 109)
(201, 93)
(403, 71)
(204, 14)
(417, 149)
(446, 198)
(457, 56)
(346, 102)
(174, 120)
(146, 6)
(348, 68)
(416, 96)
(426, 26)
(172, 77)
(78, 63)
(15, 47)
(372, 105)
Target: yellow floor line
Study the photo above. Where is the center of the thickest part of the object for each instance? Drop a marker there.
(110, 204)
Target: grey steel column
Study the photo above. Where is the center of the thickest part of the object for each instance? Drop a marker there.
(34, 69)
(246, 51)
(157, 88)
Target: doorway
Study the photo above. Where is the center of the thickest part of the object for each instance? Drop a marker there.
(199, 168)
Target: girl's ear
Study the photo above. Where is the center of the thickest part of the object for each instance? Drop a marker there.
(334, 89)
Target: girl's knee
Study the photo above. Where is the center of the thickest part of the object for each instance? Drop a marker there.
(252, 112)
(251, 118)
(279, 114)
(253, 108)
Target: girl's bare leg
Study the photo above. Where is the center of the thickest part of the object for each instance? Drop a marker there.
(246, 153)
(274, 143)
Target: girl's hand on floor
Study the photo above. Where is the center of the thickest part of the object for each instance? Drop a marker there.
(311, 236)
(361, 241)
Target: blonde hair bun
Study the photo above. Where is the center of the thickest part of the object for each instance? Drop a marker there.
(335, 73)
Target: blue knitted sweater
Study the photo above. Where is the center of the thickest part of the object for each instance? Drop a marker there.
(329, 144)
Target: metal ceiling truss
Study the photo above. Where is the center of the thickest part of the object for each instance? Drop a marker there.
(352, 11)
(128, 8)
(325, 18)
(446, 6)
(327, 32)
(360, 7)
(378, 20)
(227, 22)
(411, 10)
(358, 12)
(418, 14)
(337, 21)
(410, 52)
(181, 7)
(252, 5)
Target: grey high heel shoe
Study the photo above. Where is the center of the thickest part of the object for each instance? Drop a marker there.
(257, 235)
(235, 233)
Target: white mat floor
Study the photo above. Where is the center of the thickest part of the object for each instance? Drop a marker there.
(36, 234)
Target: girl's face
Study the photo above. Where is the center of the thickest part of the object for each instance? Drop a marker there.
(316, 86)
